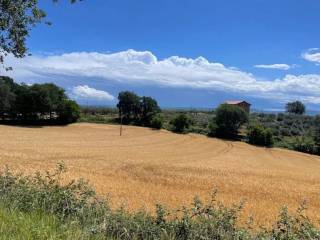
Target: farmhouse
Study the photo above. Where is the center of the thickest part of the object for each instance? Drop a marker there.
(242, 104)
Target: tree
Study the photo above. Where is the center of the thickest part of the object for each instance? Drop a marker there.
(129, 106)
(317, 133)
(52, 97)
(17, 18)
(35, 102)
(68, 112)
(296, 107)
(259, 135)
(148, 109)
(228, 119)
(7, 97)
(181, 123)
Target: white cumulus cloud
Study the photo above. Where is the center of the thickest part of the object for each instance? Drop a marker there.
(274, 66)
(86, 92)
(312, 55)
(144, 68)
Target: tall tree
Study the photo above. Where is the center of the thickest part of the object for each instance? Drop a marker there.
(228, 120)
(6, 99)
(296, 107)
(129, 106)
(148, 109)
(317, 133)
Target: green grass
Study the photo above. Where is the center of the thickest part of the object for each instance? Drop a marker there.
(16, 225)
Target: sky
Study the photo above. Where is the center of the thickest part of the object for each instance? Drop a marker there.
(184, 53)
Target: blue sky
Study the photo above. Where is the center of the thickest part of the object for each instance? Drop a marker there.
(190, 53)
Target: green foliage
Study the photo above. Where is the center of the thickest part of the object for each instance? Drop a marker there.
(296, 107)
(304, 144)
(296, 226)
(72, 209)
(259, 135)
(17, 18)
(148, 109)
(228, 120)
(7, 97)
(157, 121)
(68, 112)
(299, 143)
(16, 225)
(317, 133)
(35, 103)
(137, 110)
(129, 106)
(213, 127)
(285, 125)
(181, 123)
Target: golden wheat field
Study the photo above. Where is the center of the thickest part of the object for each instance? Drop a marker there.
(144, 167)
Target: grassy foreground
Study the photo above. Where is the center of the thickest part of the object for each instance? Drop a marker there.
(44, 208)
(15, 225)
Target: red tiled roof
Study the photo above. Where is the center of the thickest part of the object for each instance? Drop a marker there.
(235, 102)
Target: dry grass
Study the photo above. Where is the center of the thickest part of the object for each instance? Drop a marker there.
(144, 166)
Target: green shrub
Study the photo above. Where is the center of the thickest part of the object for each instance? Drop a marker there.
(259, 135)
(213, 128)
(157, 121)
(181, 123)
(304, 144)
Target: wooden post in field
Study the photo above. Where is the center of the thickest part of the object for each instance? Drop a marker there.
(120, 124)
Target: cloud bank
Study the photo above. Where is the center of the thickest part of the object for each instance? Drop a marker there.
(86, 92)
(274, 66)
(144, 68)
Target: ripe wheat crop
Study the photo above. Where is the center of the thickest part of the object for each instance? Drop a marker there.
(144, 167)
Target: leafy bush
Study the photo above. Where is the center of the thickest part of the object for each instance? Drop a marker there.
(181, 123)
(157, 121)
(259, 135)
(228, 120)
(304, 144)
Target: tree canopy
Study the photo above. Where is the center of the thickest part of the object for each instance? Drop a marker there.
(181, 123)
(296, 107)
(317, 133)
(34, 103)
(17, 18)
(228, 119)
(137, 110)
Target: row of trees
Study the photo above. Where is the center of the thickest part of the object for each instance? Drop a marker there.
(143, 111)
(34, 103)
